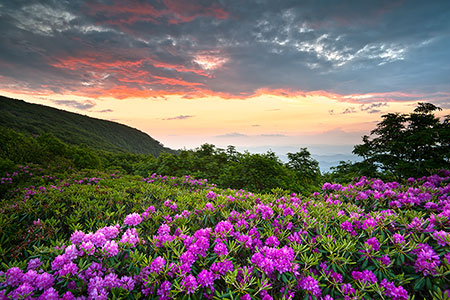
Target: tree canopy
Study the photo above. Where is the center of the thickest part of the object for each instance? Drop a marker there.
(405, 145)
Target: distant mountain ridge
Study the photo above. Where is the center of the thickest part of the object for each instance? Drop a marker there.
(76, 129)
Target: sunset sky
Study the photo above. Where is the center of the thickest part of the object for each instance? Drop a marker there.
(256, 74)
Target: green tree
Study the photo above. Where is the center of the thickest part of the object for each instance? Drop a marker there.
(168, 164)
(404, 145)
(19, 148)
(305, 167)
(85, 158)
(347, 171)
(256, 172)
(51, 145)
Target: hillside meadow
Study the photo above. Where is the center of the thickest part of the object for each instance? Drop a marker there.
(81, 222)
(97, 235)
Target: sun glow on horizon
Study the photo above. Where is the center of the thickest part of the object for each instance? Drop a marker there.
(279, 117)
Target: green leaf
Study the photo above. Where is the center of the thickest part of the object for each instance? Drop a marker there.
(419, 284)
(428, 283)
(364, 265)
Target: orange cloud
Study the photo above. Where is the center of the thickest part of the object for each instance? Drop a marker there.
(173, 81)
(106, 61)
(178, 68)
(130, 80)
(290, 93)
(95, 62)
(120, 92)
(100, 67)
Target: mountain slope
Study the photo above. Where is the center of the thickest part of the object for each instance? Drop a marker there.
(76, 129)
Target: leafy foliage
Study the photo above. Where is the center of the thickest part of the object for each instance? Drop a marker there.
(77, 221)
(251, 171)
(97, 234)
(405, 145)
(254, 172)
(75, 129)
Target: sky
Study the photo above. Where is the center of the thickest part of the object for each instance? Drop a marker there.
(259, 74)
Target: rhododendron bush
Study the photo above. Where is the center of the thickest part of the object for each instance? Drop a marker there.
(174, 238)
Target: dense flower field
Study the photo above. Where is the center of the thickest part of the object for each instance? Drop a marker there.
(113, 237)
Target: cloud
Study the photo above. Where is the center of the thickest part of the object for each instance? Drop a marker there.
(232, 135)
(372, 106)
(180, 117)
(169, 12)
(105, 111)
(369, 108)
(374, 111)
(349, 110)
(228, 49)
(81, 105)
(241, 135)
(273, 135)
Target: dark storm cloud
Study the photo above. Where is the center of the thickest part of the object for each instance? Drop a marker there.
(226, 48)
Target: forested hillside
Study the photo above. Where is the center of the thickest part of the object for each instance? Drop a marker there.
(76, 129)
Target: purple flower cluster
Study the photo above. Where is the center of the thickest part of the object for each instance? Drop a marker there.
(223, 267)
(196, 262)
(221, 249)
(224, 228)
(206, 278)
(347, 226)
(311, 286)
(336, 277)
(441, 237)
(26, 284)
(148, 212)
(133, 219)
(157, 265)
(172, 205)
(398, 239)
(373, 244)
(209, 206)
(369, 224)
(189, 284)
(396, 293)
(366, 277)
(273, 259)
(130, 237)
(385, 260)
(110, 249)
(427, 260)
(164, 290)
(265, 211)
